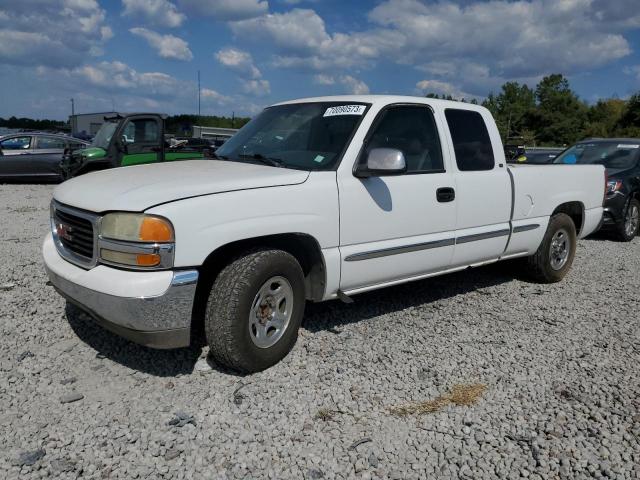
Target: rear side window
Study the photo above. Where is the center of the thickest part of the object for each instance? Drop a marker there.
(412, 130)
(50, 142)
(471, 140)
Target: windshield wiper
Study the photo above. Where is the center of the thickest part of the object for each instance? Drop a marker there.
(273, 162)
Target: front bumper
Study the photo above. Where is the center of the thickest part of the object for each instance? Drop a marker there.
(150, 308)
(614, 210)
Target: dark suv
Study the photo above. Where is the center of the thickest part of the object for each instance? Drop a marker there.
(621, 158)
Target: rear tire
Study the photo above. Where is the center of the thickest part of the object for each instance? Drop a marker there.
(628, 229)
(554, 257)
(254, 310)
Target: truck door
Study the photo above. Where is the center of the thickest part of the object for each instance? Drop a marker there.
(397, 227)
(483, 187)
(141, 138)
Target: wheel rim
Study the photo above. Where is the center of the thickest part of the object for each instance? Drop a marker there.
(631, 220)
(271, 312)
(560, 249)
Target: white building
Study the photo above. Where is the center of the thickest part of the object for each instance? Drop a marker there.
(88, 123)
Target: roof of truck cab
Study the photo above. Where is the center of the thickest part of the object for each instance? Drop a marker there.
(386, 100)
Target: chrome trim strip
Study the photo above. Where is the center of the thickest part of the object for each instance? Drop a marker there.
(185, 277)
(385, 252)
(483, 236)
(165, 250)
(525, 228)
(356, 257)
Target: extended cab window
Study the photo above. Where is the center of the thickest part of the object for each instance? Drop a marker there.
(413, 131)
(471, 140)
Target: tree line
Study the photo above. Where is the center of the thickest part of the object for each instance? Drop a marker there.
(176, 124)
(552, 114)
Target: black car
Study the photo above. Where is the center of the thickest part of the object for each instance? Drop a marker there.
(621, 158)
(535, 156)
(35, 155)
(203, 145)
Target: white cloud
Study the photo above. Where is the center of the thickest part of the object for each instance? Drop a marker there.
(208, 94)
(167, 46)
(161, 13)
(323, 79)
(499, 39)
(241, 63)
(238, 61)
(351, 84)
(53, 32)
(227, 9)
(258, 88)
(443, 88)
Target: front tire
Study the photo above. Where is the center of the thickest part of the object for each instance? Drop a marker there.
(628, 229)
(554, 257)
(254, 310)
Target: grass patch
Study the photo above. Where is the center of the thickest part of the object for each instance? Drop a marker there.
(461, 395)
(324, 414)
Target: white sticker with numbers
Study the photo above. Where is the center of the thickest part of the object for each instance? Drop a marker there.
(345, 110)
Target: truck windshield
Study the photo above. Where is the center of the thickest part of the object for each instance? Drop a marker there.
(103, 137)
(618, 155)
(306, 136)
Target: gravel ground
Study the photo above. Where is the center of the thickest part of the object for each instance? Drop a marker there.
(560, 364)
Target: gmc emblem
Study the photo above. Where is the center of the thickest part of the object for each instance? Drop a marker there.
(64, 231)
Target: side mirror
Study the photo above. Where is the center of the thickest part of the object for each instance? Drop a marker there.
(122, 145)
(382, 162)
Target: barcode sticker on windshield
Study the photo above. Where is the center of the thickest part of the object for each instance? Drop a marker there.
(626, 145)
(345, 110)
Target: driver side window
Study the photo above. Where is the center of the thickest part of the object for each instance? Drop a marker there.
(16, 143)
(412, 130)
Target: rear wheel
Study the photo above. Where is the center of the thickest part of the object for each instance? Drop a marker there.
(628, 229)
(554, 256)
(254, 310)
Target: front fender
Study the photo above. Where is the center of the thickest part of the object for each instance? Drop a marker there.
(204, 224)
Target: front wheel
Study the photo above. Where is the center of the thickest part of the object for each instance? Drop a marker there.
(254, 310)
(554, 256)
(628, 229)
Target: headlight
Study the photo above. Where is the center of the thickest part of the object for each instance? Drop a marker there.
(136, 240)
(613, 186)
(136, 227)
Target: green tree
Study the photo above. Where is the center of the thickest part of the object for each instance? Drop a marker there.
(629, 123)
(560, 117)
(510, 108)
(603, 118)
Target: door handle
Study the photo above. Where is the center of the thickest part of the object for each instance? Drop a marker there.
(445, 194)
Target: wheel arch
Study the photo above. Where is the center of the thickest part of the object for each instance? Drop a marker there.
(304, 247)
(575, 210)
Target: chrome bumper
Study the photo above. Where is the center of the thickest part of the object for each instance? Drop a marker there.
(162, 321)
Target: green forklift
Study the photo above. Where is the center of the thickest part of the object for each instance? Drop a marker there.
(129, 139)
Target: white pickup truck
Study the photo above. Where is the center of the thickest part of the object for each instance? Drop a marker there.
(314, 199)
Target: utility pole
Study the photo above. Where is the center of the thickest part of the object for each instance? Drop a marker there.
(72, 120)
(233, 120)
(198, 95)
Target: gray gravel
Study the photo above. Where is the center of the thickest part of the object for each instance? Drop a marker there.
(560, 363)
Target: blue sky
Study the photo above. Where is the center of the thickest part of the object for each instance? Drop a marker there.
(145, 54)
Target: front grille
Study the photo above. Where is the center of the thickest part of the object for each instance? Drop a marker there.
(74, 234)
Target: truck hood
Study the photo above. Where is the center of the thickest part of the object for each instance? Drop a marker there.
(140, 187)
